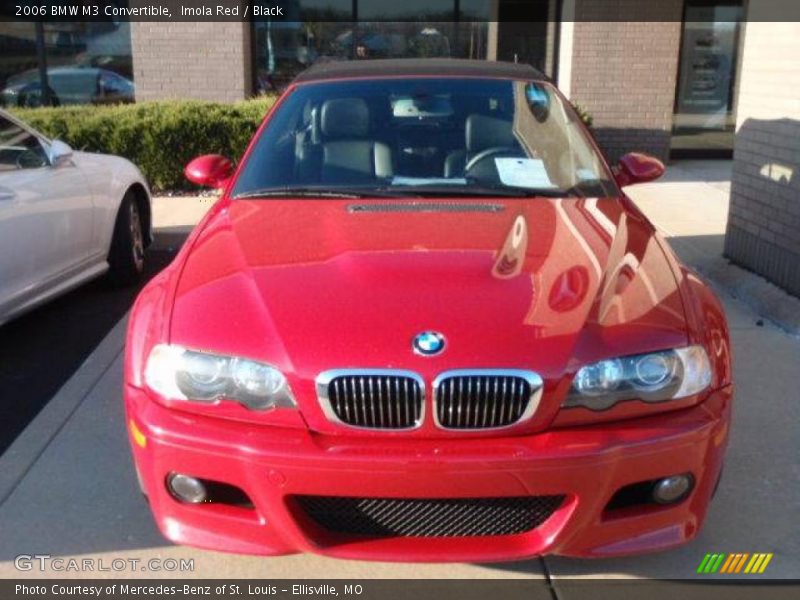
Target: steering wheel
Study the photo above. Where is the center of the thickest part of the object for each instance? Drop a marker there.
(487, 154)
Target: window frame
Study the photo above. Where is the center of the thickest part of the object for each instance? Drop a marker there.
(43, 141)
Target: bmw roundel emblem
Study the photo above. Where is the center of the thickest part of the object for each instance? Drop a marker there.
(428, 343)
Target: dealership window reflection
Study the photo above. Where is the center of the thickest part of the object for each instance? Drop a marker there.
(323, 30)
(705, 110)
(65, 63)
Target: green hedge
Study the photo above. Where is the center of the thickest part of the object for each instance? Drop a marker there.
(159, 137)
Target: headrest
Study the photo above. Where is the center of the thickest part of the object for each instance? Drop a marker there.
(345, 118)
(487, 132)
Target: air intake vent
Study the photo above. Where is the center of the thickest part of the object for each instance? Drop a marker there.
(464, 207)
(381, 399)
(485, 399)
(436, 517)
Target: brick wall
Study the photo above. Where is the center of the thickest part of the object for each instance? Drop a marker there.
(764, 220)
(207, 61)
(624, 72)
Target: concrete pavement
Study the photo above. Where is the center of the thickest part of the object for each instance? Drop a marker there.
(180, 211)
(67, 486)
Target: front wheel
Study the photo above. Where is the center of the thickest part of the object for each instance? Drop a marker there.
(126, 257)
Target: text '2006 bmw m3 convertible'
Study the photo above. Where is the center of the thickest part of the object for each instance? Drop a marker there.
(424, 323)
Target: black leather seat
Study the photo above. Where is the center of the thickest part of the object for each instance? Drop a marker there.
(349, 156)
(480, 133)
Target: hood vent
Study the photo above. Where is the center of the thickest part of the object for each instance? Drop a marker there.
(406, 207)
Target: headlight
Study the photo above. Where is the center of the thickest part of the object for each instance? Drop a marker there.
(652, 377)
(181, 374)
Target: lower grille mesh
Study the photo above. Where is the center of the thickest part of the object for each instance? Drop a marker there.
(438, 517)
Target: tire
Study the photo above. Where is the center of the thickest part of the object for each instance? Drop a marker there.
(126, 257)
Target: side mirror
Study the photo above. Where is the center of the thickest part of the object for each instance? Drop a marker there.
(209, 170)
(638, 168)
(58, 153)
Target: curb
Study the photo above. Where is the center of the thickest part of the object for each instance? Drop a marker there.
(765, 298)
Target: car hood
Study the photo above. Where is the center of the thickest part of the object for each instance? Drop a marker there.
(544, 284)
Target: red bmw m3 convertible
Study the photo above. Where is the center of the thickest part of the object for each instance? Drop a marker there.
(424, 323)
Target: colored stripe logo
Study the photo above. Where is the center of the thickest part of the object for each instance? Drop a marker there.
(731, 564)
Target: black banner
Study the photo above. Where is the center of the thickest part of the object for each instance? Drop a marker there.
(394, 589)
(64, 11)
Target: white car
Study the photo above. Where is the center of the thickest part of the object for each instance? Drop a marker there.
(65, 217)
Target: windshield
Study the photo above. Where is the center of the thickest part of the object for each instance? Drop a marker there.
(423, 136)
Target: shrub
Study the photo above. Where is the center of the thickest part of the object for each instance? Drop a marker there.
(159, 137)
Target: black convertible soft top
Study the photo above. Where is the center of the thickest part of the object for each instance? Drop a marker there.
(414, 67)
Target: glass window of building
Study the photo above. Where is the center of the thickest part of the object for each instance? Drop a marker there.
(65, 63)
(319, 30)
(310, 31)
(527, 31)
(705, 112)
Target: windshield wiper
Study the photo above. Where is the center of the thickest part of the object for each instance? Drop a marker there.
(461, 191)
(413, 191)
(318, 192)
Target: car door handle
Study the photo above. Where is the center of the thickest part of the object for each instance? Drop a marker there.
(7, 195)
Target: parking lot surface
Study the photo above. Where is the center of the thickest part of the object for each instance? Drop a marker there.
(40, 350)
(67, 486)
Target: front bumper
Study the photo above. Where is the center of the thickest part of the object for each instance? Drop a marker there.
(587, 464)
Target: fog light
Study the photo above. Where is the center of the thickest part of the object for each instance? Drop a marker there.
(672, 489)
(187, 489)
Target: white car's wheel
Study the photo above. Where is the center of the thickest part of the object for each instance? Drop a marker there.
(126, 258)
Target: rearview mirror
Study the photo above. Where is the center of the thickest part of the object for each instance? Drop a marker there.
(58, 153)
(635, 167)
(209, 170)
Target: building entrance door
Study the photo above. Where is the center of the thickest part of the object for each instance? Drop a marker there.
(527, 32)
(705, 102)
